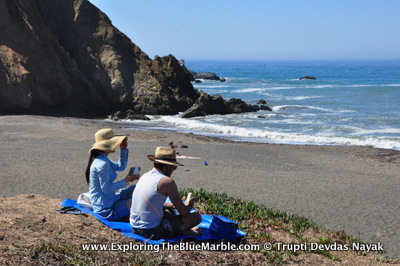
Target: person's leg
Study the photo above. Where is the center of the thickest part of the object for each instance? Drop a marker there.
(190, 223)
(126, 196)
(173, 225)
(126, 193)
(121, 210)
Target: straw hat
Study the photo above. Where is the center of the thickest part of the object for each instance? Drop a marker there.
(106, 140)
(164, 155)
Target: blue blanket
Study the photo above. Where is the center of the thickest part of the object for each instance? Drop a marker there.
(126, 228)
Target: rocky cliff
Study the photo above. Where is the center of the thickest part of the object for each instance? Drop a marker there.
(66, 58)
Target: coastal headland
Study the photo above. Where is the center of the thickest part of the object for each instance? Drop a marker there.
(349, 188)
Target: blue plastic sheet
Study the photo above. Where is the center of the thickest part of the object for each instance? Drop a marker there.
(126, 228)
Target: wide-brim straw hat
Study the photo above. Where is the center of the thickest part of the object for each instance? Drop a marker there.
(165, 155)
(106, 140)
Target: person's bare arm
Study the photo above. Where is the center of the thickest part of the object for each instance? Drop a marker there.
(167, 187)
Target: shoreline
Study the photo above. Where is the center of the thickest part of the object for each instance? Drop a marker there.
(350, 188)
(260, 138)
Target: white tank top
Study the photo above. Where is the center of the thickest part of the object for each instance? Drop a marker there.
(147, 203)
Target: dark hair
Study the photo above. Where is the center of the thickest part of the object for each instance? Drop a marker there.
(93, 154)
(158, 165)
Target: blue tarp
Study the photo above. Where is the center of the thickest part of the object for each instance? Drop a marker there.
(126, 228)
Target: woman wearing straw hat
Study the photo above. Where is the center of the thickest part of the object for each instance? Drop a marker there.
(101, 173)
(149, 217)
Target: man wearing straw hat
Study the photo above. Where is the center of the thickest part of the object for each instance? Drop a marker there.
(149, 216)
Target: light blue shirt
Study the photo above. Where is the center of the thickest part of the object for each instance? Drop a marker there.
(102, 188)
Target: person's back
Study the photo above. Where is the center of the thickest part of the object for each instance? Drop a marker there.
(101, 200)
(149, 213)
(147, 202)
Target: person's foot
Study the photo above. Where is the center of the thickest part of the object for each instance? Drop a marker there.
(194, 231)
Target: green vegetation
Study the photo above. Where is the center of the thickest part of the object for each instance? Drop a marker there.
(257, 221)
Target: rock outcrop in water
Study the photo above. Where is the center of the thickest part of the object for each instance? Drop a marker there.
(66, 58)
(307, 77)
(207, 104)
(194, 76)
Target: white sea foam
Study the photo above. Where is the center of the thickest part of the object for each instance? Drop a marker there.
(378, 131)
(211, 85)
(278, 108)
(278, 88)
(321, 86)
(371, 85)
(328, 110)
(248, 90)
(238, 133)
(300, 98)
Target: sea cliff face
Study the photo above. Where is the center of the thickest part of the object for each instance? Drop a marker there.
(66, 57)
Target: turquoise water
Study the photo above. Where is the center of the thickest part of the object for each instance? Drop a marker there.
(350, 103)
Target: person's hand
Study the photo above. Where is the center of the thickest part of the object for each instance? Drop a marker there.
(124, 144)
(131, 178)
(190, 203)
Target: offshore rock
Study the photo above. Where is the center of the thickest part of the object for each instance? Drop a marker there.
(197, 76)
(66, 58)
(239, 106)
(205, 105)
(208, 105)
(207, 75)
(307, 77)
(261, 101)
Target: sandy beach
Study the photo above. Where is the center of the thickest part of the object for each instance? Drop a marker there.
(354, 189)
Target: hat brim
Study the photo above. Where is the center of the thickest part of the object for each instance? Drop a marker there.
(174, 163)
(108, 145)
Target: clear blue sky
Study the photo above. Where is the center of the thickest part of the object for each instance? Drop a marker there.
(260, 29)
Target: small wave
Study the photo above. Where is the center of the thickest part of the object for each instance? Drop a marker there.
(300, 98)
(326, 110)
(278, 108)
(249, 90)
(329, 110)
(378, 131)
(322, 86)
(278, 88)
(371, 85)
(209, 86)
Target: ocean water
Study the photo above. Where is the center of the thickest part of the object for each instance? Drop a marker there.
(349, 103)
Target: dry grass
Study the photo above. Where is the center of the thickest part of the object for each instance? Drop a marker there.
(34, 232)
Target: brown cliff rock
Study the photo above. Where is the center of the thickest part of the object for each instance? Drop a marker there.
(208, 105)
(65, 57)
